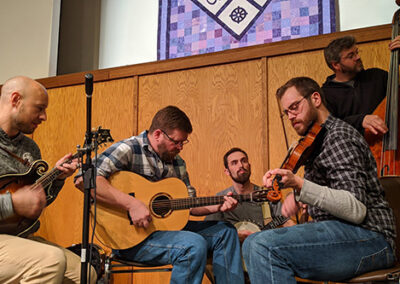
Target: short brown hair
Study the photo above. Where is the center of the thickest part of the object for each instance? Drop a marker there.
(233, 150)
(170, 118)
(304, 85)
(335, 47)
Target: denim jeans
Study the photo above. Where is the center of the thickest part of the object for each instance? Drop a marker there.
(328, 250)
(187, 251)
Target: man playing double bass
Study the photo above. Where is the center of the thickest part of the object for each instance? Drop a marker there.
(353, 93)
(353, 228)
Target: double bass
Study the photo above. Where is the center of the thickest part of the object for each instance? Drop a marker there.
(385, 148)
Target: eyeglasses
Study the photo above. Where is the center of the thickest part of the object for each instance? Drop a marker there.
(180, 143)
(293, 108)
(351, 55)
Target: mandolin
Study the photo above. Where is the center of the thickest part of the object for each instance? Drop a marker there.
(37, 174)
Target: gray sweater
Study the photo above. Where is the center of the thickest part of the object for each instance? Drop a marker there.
(27, 149)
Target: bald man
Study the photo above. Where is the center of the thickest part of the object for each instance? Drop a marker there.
(28, 259)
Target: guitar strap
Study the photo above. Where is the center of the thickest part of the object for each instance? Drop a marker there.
(266, 211)
(19, 159)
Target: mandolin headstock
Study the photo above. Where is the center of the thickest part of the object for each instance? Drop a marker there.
(103, 136)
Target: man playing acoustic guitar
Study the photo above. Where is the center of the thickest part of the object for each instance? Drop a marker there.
(153, 154)
(23, 258)
(353, 228)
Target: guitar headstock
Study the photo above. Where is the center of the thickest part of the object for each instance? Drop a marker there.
(260, 195)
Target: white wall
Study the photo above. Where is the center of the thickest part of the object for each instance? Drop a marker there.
(29, 38)
(355, 14)
(128, 32)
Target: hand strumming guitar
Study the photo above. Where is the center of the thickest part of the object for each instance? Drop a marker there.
(139, 213)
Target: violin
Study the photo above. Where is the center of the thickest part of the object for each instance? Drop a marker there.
(297, 157)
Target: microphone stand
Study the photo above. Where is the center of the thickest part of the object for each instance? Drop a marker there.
(89, 178)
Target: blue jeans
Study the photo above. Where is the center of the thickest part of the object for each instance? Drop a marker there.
(187, 251)
(328, 250)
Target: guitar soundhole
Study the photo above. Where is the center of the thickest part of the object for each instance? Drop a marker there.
(161, 205)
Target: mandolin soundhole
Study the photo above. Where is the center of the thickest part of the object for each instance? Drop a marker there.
(161, 205)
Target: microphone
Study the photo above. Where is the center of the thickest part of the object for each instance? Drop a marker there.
(89, 84)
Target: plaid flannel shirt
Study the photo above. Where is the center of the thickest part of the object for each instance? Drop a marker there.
(135, 154)
(345, 162)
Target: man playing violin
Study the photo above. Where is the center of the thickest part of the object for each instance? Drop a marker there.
(352, 92)
(353, 228)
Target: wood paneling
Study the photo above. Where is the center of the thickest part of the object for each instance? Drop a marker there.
(114, 107)
(229, 97)
(225, 105)
(228, 56)
(311, 64)
(280, 70)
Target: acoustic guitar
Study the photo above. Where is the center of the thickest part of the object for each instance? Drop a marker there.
(168, 204)
(37, 174)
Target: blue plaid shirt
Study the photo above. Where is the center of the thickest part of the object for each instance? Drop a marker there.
(135, 154)
(345, 162)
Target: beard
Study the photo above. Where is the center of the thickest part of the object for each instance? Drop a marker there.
(165, 155)
(25, 127)
(352, 71)
(302, 126)
(241, 178)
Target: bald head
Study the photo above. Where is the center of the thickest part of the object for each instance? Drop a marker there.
(22, 85)
(23, 104)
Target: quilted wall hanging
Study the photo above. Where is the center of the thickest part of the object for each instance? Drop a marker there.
(190, 27)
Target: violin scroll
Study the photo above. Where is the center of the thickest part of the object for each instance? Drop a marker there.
(274, 195)
(297, 157)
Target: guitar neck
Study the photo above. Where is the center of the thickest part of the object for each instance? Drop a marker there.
(46, 179)
(191, 202)
(276, 222)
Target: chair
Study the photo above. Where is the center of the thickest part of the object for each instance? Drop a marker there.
(392, 190)
(113, 264)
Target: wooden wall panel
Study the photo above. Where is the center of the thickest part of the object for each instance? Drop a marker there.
(226, 106)
(114, 102)
(311, 64)
(280, 70)
(230, 104)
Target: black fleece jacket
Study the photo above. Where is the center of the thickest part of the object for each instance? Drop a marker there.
(352, 103)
